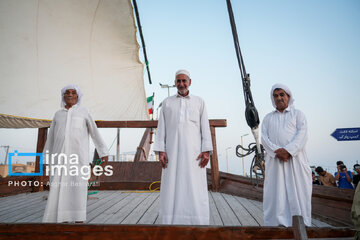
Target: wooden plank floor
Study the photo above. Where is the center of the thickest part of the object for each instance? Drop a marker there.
(129, 207)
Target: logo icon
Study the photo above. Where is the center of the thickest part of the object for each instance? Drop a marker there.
(16, 153)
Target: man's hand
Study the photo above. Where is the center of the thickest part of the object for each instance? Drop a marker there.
(282, 154)
(348, 178)
(204, 159)
(163, 159)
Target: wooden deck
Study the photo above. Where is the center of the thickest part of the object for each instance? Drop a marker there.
(129, 207)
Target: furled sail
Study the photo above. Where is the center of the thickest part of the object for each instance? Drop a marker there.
(46, 45)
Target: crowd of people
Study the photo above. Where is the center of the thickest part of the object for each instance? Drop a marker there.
(342, 178)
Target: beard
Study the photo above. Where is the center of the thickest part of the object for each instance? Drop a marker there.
(183, 90)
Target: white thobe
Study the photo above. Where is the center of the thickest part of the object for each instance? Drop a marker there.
(288, 185)
(183, 133)
(69, 134)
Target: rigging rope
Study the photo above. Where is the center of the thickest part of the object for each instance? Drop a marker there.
(256, 165)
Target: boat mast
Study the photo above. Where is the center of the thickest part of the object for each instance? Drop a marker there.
(251, 113)
(142, 39)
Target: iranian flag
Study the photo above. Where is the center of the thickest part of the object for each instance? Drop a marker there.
(150, 102)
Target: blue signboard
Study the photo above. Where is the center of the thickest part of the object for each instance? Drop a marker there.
(346, 134)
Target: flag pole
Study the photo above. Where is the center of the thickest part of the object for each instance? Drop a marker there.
(153, 105)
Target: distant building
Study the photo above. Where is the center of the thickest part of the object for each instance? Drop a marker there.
(4, 170)
(29, 167)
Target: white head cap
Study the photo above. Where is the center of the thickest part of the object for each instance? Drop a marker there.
(286, 89)
(182, 71)
(71, 86)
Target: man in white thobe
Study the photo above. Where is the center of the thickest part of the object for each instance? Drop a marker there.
(288, 181)
(69, 135)
(183, 142)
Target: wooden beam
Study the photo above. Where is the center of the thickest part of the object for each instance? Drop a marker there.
(11, 185)
(148, 124)
(117, 157)
(239, 178)
(42, 135)
(142, 151)
(218, 122)
(140, 185)
(299, 228)
(106, 231)
(324, 202)
(215, 177)
(238, 185)
(127, 124)
(333, 193)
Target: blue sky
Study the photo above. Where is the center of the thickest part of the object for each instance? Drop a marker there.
(311, 46)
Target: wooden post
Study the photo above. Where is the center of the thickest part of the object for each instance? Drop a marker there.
(118, 145)
(42, 134)
(99, 179)
(143, 149)
(7, 154)
(215, 177)
(95, 157)
(299, 228)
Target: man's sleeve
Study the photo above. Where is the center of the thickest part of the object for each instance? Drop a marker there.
(300, 138)
(206, 142)
(96, 137)
(265, 140)
(160, 143)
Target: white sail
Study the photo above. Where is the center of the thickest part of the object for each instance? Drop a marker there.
(46, 45)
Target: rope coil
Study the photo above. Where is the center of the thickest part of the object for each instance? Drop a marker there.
(257, 162)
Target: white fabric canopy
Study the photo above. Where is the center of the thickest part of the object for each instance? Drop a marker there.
(46, 45)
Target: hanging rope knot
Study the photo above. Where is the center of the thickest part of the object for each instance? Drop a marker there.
(257, 163)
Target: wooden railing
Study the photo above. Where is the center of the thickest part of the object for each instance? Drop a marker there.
(66, 231)
(328, 204)
(215, 177)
